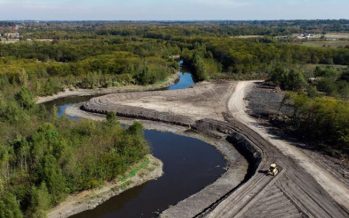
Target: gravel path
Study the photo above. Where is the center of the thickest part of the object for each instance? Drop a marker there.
(301, 189)
(334, 187)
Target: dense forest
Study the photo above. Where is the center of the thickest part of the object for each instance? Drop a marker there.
(49, 67)
(44, 158)
(103, 54)
(163, 29)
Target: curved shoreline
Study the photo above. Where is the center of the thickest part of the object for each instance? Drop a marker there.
(295, 191)
(103, 91)
(237, 165)
(90, 199)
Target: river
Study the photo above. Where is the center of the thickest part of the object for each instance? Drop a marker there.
(189, 166)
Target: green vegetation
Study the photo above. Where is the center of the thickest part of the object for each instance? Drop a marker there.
(252, 58)
(44, 158)
(326, 43)
(321, 108)
(47, 68)
(323, 121)
(322, 81)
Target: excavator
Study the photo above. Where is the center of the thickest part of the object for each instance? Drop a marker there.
(273, 170)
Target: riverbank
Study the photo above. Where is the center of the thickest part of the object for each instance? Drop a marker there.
(145, 170)
(103, 91)
(236, 170)
(223, 110)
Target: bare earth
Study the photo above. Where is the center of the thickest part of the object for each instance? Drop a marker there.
(301, 189)
(337, 190)
(205, 100)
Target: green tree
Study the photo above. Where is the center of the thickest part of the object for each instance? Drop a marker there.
(52, 175)
(40, 201)
(200, 67)
(25, 98)
(9, 206)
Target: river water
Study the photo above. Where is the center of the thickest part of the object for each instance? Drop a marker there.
(189, 166)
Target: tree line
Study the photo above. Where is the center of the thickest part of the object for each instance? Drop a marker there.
(43, 158)
(51, 67)
(319, 99)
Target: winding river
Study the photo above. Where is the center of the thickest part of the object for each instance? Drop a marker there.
(189, 166)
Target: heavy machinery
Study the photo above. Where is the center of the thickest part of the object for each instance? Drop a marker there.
(273, 170)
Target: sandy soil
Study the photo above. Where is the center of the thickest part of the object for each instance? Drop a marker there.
(90, 199)
(336, 189)
(204, 100)
(222, 104)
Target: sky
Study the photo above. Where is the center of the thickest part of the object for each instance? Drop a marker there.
(172, 9)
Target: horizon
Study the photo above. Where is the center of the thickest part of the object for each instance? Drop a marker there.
(168, 20)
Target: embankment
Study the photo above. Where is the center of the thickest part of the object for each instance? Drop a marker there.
(226, 136)
(103, 91)
(147, 169)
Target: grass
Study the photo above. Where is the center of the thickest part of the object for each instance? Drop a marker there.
(337, 35)
(135, 170)
(326, 43)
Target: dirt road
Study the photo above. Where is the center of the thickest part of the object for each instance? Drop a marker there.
(237, 106)
(302, 189)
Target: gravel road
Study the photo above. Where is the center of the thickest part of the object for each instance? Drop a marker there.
(301, 189)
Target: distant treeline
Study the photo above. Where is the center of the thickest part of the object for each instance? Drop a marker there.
(49, 67)
(142, 55)
(252, 58)
(181, 28)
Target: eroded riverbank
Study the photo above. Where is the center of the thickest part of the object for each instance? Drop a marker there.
(147, 169)
(103, 91)
(221, 109)
(198, 172)
(199, 200)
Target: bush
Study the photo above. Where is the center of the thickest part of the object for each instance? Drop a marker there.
(25, 98)
(288, 79)
(9, 206)
(322, 120)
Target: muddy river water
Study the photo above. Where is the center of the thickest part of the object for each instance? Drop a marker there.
(189, 166)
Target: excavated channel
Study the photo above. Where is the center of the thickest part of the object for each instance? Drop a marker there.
(189, 166)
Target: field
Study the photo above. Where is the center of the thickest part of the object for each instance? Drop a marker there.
(335, 35)
(327, 43)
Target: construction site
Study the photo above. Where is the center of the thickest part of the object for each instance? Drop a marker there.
(301, 187)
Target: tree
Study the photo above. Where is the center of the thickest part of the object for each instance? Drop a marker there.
(200, 68)
(9, 206)
(136, 129)
(111, 118)
(53, 177)
(295, 80)
(25, 98)
(288, 79)
(40, 201)
(345, 75)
